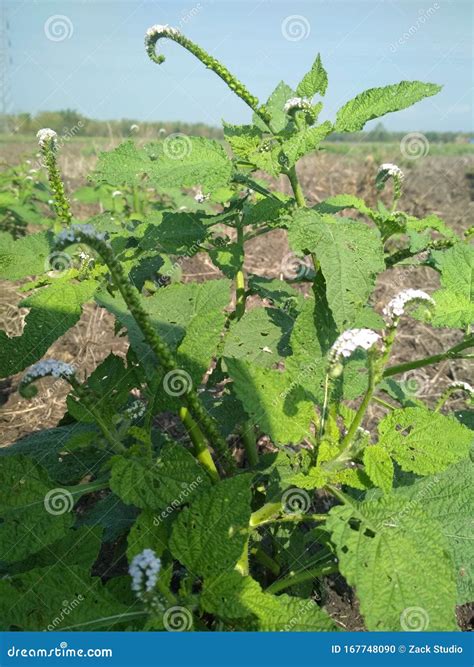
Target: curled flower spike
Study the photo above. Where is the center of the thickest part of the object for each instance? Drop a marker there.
(157, 32)
(386, 171)
(351, 340)
(295, 103)
(391, 170)
(45, 368)
(461, 386)
(397, 306)
(144, 570)
(47, 137)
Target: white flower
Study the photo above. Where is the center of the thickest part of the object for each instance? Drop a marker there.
(200, 197)
(350, 340)
(162, 130)
(391, 170)
(80, 232)
(296, 103)
(45, 136)
(117, 193)
(144, 570)
(160, 30)
(134, 128)
(396, 307)
(135, 410)
(48, 367)
(463, 386)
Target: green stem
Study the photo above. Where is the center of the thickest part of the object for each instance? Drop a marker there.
(295, 578)
(240, 294)
(260, 516)
(242, 565)
(201, 450)
(250, 444)
(380, 401)
(61, 203)
(453, 353)
(136, 200)
(264, 559)
(293, 518)
(296, 187)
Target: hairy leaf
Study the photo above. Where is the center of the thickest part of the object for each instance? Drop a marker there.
(455, 301)
(422, 441)
(27, 256)
(378, 544)
(377, 102)
(208, 537)
(379, 467)
(315, 81)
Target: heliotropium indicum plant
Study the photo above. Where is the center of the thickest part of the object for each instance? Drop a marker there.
(154, 505)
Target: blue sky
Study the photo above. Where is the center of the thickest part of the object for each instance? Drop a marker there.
(100, 67)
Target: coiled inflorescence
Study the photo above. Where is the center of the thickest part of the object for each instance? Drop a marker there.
(157, 32)
(351, 340)
(297, 103)
(48, 143)
(47, 137)
(44, 368)
(397, 306)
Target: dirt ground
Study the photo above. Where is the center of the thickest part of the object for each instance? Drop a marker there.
(434, 184)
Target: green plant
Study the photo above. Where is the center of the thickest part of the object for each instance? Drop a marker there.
(215, 541)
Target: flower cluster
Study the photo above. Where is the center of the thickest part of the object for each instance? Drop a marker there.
(349, 341)
(80, 232)
(144, 570)
(295, 103)
(157, 30)
(389, 169)
(462, 386)
(396, 307)
(46, 136)
(200, 197)
(48, 367)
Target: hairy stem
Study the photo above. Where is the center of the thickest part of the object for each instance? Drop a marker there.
(61, 202)
(296, 187)
(295, 578)
(454, 352)
(240, 294)
(201, 451)
(250, 445)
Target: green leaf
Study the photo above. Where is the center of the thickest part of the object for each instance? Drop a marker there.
(449, 499)
(53, 310)
(377, 102)
(304, 142)
(233, 597)
(280, 406)
(111, 515)
(422, 441)
(455, 301)
(243, 139)
(34, 511)
(208, 536)
(261, 336)
(341, 202)
(177, 161)
(228, 259)
(379, 467)
(274, 106)
(278, 292)
(179, 233)
(315, 81)
(350, 254)
(389, 556)
(173, 479)
(49, 448)
(270, 210)
(148, 532)
(27, 256)
(59, 598)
